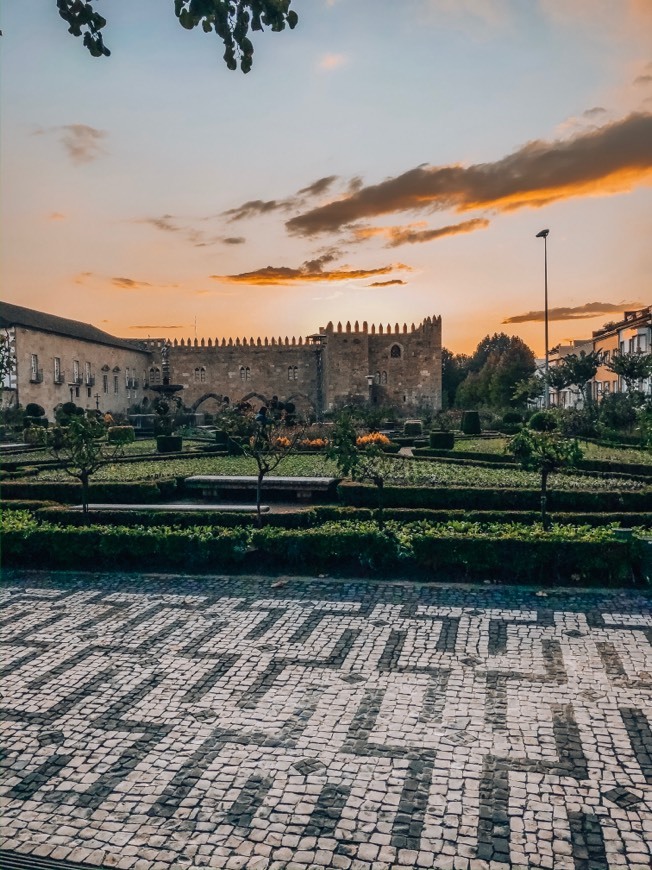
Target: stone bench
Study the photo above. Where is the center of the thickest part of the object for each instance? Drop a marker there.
(212, 486)
(181, 508)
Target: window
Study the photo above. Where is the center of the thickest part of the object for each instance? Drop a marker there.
(57, 370)
(395, 351)
(200, 374)
(75, 371)
(105, 383)
(377, 378)
(35, 374)
(127, 375)
(293, 373)
(154, 375)
(245, 373)
(88, 378)
(383, 378)
(116, 384)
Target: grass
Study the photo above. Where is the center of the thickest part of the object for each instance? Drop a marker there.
(424, 473)
(591, 451)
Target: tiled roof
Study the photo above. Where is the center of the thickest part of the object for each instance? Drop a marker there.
(16, 315)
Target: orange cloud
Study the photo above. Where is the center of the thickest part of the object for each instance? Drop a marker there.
(410, 235)
(56, 216)
(286, 276)
(613, 158)
(580, 312)
(387, 283)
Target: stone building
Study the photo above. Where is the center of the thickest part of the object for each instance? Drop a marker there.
(395, 366)
(57, 360)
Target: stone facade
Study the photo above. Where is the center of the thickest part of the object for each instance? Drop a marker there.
(58, 359)
(321, 372)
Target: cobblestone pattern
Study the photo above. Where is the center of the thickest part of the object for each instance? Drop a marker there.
(303, 724)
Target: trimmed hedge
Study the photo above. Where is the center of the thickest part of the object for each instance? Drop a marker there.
(318, 516)
(441, 441)
(476, 498)
(463, 550)
(169, 443)
(470, 423)
(135, 492)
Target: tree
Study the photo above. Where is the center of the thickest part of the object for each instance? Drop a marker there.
(528, 390)
(498, 342)
(81, 448)
(230, 20)
(631, 367)
(7, 362)
(500, 361)
(454, 368)
(544, 452)
(362, 456)
(557, 378)
(580, 369)
(266, 440)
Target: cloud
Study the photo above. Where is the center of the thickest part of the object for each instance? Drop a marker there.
(332, 61)
(410, 235)
(643, 80)
(591, 113)
(257, 207)
(82, 277)
(129, 283)
(610, 159)
(82, 142)
(56, 216)
(310, 272)
(168, 223)
(173, 326)
(387, 283)
(580, 312)
(318, 187)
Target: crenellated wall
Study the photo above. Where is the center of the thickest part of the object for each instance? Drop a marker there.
(323, 370)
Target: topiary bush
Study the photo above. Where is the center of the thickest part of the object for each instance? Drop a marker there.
(543, 421)
(470, 424)
(169, 443)
(34, 410)
(442, 440)
(121, 434)
(413, 428)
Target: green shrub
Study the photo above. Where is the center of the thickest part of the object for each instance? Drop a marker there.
(121, 434)
(221, 438)
(470, 424)
(512, 417)
(413, 428)
(70, 493)
(543, 421)
(34, 410)
(442, 440)
(476, 498)
(169, 443)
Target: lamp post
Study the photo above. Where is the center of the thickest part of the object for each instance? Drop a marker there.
(544, 235)
(370, 384)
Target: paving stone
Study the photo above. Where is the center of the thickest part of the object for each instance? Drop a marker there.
(375, 726)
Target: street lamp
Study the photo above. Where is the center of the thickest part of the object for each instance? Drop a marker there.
(544, 235)
(370, 384)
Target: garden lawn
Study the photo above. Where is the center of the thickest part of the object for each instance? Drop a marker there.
(422, 473)
(590, 450)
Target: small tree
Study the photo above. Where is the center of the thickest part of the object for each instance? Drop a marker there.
(557, 378)
(580, 369)
(362, 457)
(544, 452)
(266, 440)
(81, 449)
(7, 362)
(631, 367)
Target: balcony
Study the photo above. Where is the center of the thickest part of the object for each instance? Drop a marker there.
(36, 376)
(59, 377)
(77, 380)
(132, 384)
(90, 380)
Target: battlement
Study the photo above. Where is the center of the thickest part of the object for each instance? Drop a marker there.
(203, 343)
(427, 324)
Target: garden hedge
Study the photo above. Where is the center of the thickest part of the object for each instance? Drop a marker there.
(69, 492)
(302, 519)
(477, 498)
(635, 469)
(460, 551)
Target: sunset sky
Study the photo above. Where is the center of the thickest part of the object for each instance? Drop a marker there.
(385, 161)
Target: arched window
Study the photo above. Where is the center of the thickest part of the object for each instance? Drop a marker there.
(247, 373)
(383, 378)
(290, 373)
(154, 375)
(395, 351)
(243, 373)
(296, 373)
(377, 378)
(200, 374)
(196, 375)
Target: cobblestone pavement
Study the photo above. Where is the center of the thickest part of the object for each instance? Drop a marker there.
(154, 722)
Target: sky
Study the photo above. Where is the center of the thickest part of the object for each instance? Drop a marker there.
(384, 161)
